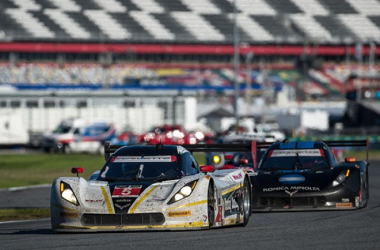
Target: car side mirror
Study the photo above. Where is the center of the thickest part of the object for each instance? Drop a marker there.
(77, 171)
(243, 162)
(207, 168)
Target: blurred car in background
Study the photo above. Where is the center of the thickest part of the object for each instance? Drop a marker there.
(77, 135)
(171, 134)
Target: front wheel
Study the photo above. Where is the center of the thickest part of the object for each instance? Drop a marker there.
(66, 149)
(245, 202)
(211, 205)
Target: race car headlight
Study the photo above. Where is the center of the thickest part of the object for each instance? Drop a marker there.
(340, 178)
(184, 192)
(68, 194)
(216, 159)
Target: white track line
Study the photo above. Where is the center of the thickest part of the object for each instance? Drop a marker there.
(25, 187)
(19, 221)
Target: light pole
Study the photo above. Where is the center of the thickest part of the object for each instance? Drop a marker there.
(236, 66)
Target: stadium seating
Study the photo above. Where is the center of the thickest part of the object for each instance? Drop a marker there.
(92, 75)
(190, 21)
(330, 80)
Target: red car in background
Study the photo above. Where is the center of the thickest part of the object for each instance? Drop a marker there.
(171, 134)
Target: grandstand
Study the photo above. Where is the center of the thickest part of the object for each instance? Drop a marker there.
(142, 47)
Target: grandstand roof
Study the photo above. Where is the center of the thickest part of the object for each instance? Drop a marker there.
(190, 21)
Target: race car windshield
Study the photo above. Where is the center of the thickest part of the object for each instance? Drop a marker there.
(164, 167)
(294, 160)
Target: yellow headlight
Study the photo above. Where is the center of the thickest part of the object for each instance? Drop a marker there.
(216, 159)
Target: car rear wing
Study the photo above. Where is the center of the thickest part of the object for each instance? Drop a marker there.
(241, 147)
(350, 143)
(109, 149)
(232, 147)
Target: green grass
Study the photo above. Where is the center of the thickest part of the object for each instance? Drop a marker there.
(23, 213)
(32, 169)
(362, 155)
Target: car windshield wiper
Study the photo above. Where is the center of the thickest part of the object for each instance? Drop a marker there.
(139, 172)
(298, 163)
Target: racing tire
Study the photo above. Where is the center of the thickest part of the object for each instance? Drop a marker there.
(366, 188)
(66, 149)
(245, 202)
(211, 204)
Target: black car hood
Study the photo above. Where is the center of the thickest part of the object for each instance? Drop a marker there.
(303, 181)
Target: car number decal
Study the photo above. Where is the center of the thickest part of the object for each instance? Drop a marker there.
(126, 191)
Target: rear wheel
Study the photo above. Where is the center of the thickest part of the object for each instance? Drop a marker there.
(365, 189)
(211, 205)
(66, 149)
(245, 202)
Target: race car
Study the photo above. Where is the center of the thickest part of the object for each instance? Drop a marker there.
(150, 187)
(304, 175)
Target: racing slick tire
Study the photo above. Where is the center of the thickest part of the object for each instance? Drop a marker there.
(211, 204)
(366, 188)
(245, 202)
(66, 149)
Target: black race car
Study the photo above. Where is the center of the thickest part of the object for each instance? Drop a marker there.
(294, 176)
(306, 175)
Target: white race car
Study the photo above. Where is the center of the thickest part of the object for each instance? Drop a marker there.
(155, 187)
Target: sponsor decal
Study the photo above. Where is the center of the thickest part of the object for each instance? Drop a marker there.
(345, 204)
(123, 200)
(122, 207)
(205, 220)
(283, 188)
(291, 179)
(126, 191)
(179, 213)
(139, 158)
(301, 152)
(237, 177)
(229, 221)
(100, 200)
(155, 200)
(69, 214)
(219, 215)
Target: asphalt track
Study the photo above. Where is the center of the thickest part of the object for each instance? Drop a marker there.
(352, 229)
